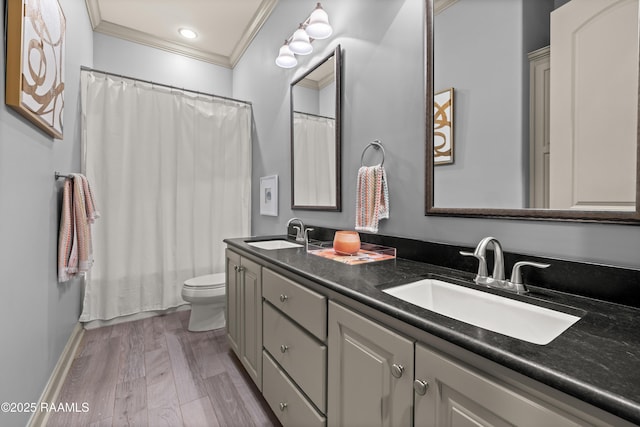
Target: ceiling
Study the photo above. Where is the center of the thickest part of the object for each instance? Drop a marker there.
(225, 27)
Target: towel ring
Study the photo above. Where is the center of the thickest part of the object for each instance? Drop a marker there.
(375, 144)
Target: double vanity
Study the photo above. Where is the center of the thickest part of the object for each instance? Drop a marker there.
(411, 341)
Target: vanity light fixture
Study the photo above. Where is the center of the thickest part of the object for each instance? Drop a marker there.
(315, 27)
(187, 33)
(286, 58)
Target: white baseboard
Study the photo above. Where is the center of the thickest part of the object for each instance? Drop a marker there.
(52, 389)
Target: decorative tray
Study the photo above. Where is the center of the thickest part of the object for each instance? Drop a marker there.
(368, 252)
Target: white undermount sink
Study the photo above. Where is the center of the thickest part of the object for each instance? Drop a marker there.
(527, 322)
(274, 244)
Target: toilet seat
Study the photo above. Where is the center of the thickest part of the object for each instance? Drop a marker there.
(208, 281)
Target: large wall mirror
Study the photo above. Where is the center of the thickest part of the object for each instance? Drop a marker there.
(545, 123)
(315, 136)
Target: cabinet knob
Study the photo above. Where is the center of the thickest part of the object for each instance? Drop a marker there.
(283, 297)
(397, 370)
(284, 348)
(283, 406)
(420, 387)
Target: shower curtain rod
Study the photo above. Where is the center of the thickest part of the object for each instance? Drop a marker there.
(83, 68)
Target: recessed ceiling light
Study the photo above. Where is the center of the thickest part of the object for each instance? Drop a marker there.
(187, 33)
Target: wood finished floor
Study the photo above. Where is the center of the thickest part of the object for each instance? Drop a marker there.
(153, 372)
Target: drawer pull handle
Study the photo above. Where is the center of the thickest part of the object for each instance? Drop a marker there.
(421, 387)
(283, 406)
(283, 297)
(397, 370)
(284, 348)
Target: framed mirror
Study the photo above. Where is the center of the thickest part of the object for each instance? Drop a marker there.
(544, 126)
(316, 136)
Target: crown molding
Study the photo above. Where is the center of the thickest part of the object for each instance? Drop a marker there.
(259, 18)
(440, 5)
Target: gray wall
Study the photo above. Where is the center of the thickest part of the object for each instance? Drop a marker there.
(383, 85)
(134, 60)
(37, 314)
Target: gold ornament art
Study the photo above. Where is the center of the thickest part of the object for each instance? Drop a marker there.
(35, 62)
(443, 127)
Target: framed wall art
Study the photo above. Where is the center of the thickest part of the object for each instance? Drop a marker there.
(35, 62)
(269, 195)
(443, 127)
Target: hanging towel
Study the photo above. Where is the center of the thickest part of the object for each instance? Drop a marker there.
(77, 214)
(372, 198)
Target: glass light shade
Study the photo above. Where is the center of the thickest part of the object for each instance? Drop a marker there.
(286, 58)
(318, 26)
(300, 43)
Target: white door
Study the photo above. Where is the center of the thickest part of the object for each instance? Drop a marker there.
(594, 97)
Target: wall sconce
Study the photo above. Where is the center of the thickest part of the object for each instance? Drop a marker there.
(315, 27)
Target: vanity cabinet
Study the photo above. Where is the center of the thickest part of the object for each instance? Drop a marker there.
(450, 393)
(370, 372)
(244, 312)
(319, 361)
(295, 353)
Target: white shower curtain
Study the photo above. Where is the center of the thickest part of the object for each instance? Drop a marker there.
(314, 139)
(171, 172)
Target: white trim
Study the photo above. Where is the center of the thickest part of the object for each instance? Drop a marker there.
(260, 17)
(140, 37)
(440, 5)
(59, 374)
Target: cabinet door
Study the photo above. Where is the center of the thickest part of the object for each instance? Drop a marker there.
(251, 330)
(370, 372)
(233, 283)
(457, 395)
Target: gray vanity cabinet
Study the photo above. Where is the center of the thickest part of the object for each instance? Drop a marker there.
(318, 362)
(449, 393)
(295, 353)
(370, 372)
(244, 312)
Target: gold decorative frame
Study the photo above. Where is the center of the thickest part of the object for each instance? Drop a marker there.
(35, 62)
(443, 127)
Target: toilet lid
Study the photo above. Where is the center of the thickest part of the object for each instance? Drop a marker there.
(207, 281)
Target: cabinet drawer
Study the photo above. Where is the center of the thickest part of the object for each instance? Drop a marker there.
(306, 307)
(279, 391)
(304, 358)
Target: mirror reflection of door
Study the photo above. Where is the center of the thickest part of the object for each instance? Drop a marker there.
(593, 144)
(314, 133)
(482, 47)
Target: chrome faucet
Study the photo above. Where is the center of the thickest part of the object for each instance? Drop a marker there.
(497, 280)
(300, 233)
(483, 278)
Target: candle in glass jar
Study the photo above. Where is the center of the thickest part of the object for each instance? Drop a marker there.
(346, 242)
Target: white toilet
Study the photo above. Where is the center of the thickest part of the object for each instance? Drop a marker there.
(207, 297)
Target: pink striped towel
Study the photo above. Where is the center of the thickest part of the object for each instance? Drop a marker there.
(77, 214)
(372, 198)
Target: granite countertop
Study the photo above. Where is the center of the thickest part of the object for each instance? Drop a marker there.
(596, 360)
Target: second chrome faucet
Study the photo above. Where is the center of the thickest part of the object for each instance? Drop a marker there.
(302, 232)
(497, 279)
